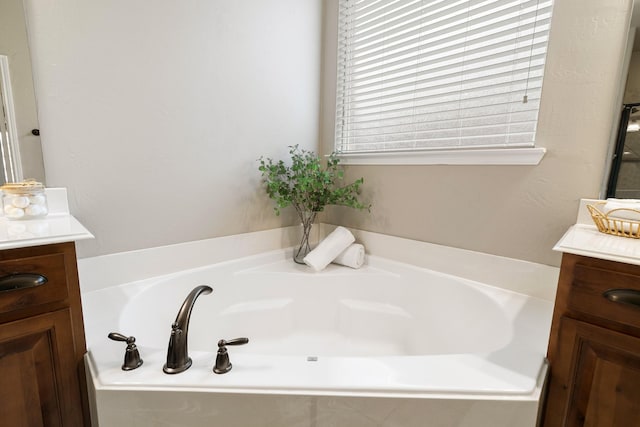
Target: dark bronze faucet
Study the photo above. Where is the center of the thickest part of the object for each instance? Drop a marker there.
(178, 359)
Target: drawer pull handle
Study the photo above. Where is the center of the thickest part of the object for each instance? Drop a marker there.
(624, 296)
(21, 281)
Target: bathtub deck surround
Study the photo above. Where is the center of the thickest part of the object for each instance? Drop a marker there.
(308, 186)
(348, 371)
(329, 249)
(524, 277)
(533, 279)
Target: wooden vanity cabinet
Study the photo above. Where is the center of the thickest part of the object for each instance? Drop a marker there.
(42, 342)
(594, 347)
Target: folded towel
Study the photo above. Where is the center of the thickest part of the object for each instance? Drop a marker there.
(619, 208)
(623, 225)
(352, 257)
(327, 250)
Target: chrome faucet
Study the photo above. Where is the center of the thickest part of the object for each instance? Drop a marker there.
(178, 359)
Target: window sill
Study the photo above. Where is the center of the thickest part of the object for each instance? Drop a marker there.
(505, 156)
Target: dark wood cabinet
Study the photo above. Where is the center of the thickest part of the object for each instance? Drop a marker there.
(594, 347)
(42, 341)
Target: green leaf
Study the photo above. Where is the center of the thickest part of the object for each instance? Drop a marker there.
(307, 184)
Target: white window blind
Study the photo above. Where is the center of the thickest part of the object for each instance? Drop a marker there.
(419, 75)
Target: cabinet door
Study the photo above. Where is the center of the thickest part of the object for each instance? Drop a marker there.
(595, 378)
(39, 383)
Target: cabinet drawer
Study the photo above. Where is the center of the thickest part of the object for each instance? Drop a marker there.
(588, 290)
(49, 265)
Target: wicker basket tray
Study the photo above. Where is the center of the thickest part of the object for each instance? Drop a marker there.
(610, 223)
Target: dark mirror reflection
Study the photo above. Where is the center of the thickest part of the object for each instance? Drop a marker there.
(624, 180)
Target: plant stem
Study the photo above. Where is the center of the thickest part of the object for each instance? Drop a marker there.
(307, 218)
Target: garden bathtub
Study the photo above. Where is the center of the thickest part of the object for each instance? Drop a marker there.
(385, 335)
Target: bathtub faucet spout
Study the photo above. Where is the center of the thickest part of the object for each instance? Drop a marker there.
(178, 359)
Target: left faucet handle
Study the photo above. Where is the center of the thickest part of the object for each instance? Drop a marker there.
(132, 358)
(117, 336)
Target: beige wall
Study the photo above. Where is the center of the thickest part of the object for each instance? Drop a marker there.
(154, 117)
(14, 44)
(154, 113)
(632, 89)
(513, 211)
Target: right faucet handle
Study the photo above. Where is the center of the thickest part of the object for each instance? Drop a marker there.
(235, 341)
(223, 364)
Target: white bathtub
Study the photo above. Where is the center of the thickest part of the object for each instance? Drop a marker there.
(389, 344)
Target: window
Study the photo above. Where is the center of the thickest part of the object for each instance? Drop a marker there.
(429, 78)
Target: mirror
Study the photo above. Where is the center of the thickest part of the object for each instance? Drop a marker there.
(624, 179)
(19, 131)
(12, 171)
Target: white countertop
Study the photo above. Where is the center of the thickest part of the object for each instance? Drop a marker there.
(583, 238)
(36, 232)
(57, 227)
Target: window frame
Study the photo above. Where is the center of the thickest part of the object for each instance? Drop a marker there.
(463, 155)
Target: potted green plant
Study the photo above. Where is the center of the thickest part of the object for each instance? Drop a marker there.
(308, 186)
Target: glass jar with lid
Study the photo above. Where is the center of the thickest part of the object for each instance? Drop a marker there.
(24, 200)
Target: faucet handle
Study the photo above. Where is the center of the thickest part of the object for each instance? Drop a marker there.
(116, 336)
(234, 341)
(132, 358)
(223, 364)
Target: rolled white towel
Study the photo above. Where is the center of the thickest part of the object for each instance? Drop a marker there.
(327, 250)
(352, 257)
(619, 208)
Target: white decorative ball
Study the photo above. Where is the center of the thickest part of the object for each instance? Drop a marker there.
(34, 210)
(20, 201)
(37, 200)
(15, 213)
